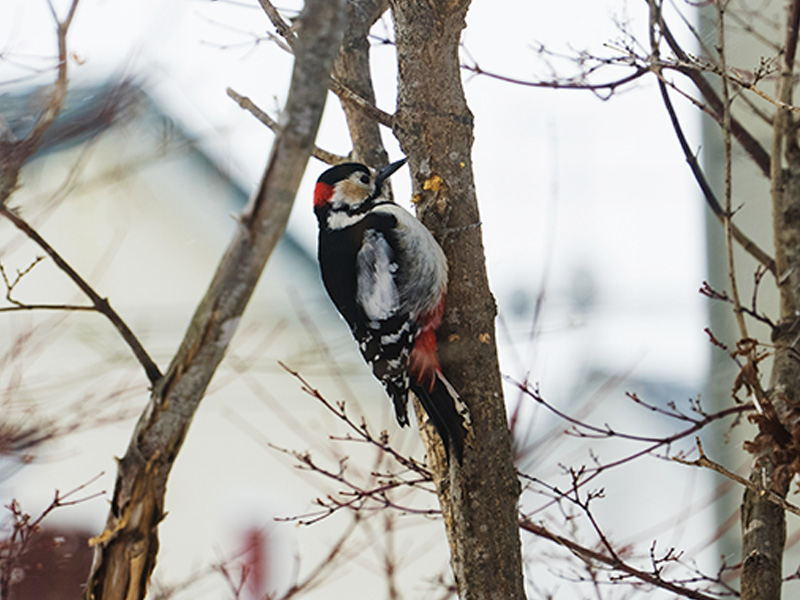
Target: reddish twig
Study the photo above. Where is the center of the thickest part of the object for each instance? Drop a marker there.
(588, 555)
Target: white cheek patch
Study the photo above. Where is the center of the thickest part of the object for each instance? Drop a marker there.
(376, 290)
(346, 198)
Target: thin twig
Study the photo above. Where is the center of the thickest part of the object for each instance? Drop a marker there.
(709, 292)
(558, 84)
(10, 285)
(362, 431)
(15, 153)
(21, 151)
(24, 527)
(726, 144)
(53, 307)
(327, 562)
(653, 444)
(345, 93)
(100, 304)
(751, 145)
(707, 463)
(587, 554)
(250, 106)
(281, 26)
(372, 111)
(53, 109)
(744, 241)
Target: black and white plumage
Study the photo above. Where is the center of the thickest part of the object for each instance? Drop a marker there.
(387, 276)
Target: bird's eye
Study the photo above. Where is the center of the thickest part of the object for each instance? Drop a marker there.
(365, 179)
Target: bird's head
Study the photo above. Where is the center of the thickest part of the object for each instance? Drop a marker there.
(351, 187)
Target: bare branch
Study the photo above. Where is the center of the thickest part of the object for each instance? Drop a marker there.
(352, 70)
(345, 93)
(705, 462)
(281, 26)
(101, 305)
(587, 554)
(726, 145)
(348, 95)
(325, 564)
(10, 285)
(652, 443)
(606, 431)
(54, 307)
(15, 153)
(48, 116)
(709, 292)
(747, 244)
(138, 503)
(362, 431)
(24, 528)
(746, 139)
(248, 105)
(559, 84)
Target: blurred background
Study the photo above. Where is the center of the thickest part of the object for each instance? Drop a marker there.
(596, 243)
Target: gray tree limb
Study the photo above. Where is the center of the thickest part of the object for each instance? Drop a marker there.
(352, 69)
(125, 552)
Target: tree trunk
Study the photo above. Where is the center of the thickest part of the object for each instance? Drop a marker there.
(434, 126)
(125, 553)
(764, 523)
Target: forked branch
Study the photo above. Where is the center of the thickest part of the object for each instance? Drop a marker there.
(100, 304)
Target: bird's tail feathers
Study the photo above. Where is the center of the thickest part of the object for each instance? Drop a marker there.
(398, 392)
(448, 413)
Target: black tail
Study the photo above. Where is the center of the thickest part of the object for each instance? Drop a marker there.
(447, 412)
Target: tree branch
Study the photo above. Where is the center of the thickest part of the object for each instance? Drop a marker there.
(568, 84)
(358, 11)
(281, 26)
(728, 175)
(100, 304)
(705, 462)
(53, 109)
(747, 244)
(126, 550)
(751, 145)
(15, 153)
(587, 554)
(351, 72)
(247, 104)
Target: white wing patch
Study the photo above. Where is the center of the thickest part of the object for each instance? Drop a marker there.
(376, 290)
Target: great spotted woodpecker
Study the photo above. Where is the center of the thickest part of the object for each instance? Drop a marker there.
(387, 276)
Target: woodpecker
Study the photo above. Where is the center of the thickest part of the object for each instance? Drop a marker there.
(387, 276)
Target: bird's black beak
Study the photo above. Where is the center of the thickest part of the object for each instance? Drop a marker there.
(387, 172)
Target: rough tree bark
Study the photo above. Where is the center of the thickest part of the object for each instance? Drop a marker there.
(352, 68)
(776, 460)
(435, 129)
(125, 552)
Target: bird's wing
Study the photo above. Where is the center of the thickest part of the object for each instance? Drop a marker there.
(376, 288)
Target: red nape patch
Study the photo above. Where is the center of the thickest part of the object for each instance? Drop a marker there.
(423, 362)
(322, 194)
